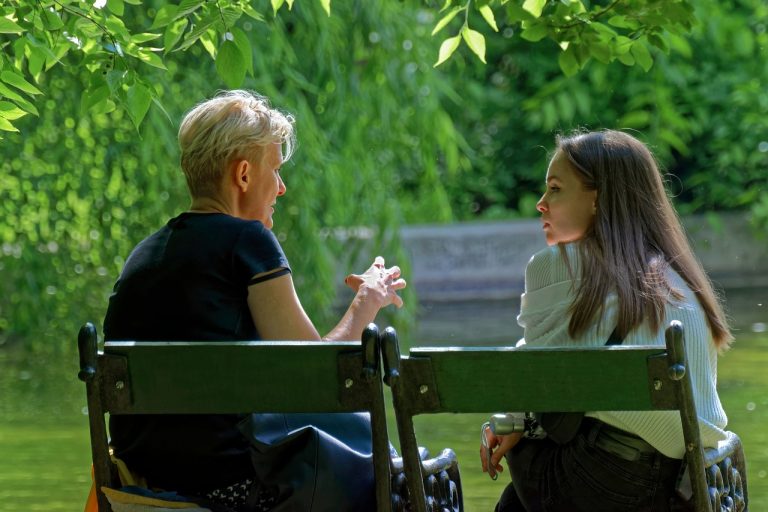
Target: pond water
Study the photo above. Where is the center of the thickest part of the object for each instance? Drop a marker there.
(45, 460)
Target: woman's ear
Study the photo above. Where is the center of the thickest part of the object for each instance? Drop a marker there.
(240, 174)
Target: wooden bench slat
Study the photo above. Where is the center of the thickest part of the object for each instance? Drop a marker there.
(565, 380)
(166, 377)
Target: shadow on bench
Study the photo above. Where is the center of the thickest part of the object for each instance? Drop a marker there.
(641, 378)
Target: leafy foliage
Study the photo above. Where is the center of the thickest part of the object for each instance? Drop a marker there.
(583, 30)
(385, 136)
(118, 42)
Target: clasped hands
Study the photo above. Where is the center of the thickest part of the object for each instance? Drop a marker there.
(493, 448)
(378, 278)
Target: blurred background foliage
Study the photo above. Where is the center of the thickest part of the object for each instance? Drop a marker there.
(385, 139)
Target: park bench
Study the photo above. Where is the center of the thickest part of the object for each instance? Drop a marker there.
(498, 379)
(235, 377)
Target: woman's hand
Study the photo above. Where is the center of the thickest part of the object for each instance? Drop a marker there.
(378, 283)
(498, 446)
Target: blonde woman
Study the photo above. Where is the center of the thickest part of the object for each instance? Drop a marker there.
(217, 272)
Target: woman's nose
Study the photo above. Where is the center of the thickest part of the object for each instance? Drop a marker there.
(542, 205)
(281, 187)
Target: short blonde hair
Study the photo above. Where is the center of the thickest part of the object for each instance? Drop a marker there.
(233, 124)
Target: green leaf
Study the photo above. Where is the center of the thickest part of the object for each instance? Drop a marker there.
(487, 13)
(9, 27)
(276, 5)
(173, 33)
(244, 44)
(534, 7)
(36, 60)
(144, 37)
(600, 51)
(253, 13)
(642, 55)
(51, 20)
(6, 125)
(326, 6)
(290, 4)
(117, 7)
(187, 7)
(626, 58)
(446, 19)
(92, 97)
(164, 16)
(622, 45)
(476, 42)
(635, 119)
(201, 27)
(447, 48)
(138, 99)
(18, 82)
(230, 64)
(535, 32)
(10, 111)
(149, 57)
(568, 62)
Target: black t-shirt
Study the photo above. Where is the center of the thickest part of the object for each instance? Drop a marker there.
(189, 282)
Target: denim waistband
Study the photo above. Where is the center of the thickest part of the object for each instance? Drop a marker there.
(617, 442)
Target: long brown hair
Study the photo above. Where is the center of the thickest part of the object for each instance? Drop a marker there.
(636, 235)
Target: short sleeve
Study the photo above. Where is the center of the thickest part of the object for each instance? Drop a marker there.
(257, 251)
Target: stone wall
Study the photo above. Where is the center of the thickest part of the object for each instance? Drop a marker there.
(486, 261)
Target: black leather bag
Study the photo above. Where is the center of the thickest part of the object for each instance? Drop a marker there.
(311, 462)
(562, 427)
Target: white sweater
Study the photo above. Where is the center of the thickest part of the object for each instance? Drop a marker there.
(549, 291)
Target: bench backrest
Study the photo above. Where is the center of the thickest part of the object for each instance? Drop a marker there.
(493, 379)
(615, 378)
(132, 377)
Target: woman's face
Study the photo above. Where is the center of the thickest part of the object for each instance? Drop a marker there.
(266, 185)
(567, 208)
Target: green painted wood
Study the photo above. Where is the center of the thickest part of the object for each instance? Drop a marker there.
(232, 377)
(484, 379)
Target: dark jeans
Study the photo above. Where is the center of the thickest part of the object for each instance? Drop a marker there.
(581, 477)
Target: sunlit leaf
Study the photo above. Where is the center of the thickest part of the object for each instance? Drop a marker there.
(446, 19)
(476, 42)
(230, 64)
(244, 44)
(164, 16)
(535, 7)
(18, 82)
(144, 37)
(116, 6)
(173, 33)
(487, 13)
(10, 111)
(6, 125)
(9, 27)
(447, 48)
(568, 62)
(187, 7)
(276, 5)
(91, 97)
(51, 20)
(138, 99)
(642, 55)
(253, 13)
(326, 6)
(535, 32)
